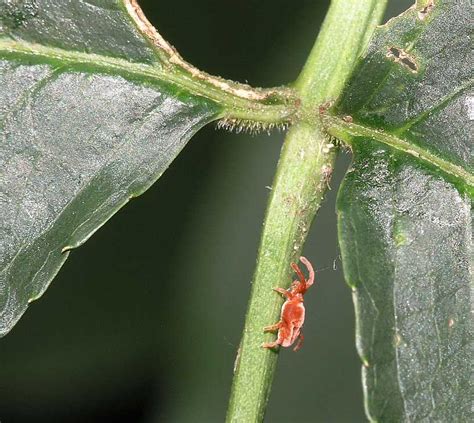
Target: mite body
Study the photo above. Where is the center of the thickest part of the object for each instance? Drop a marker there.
(292, 311)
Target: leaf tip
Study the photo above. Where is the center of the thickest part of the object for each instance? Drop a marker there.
(34, 298)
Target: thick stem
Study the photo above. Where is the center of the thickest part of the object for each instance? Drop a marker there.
(343, 38)
(301, 180)
(296, 195)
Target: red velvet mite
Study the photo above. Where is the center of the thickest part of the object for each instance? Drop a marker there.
(292, 311)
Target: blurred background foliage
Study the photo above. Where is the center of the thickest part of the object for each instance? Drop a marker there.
(143, 322)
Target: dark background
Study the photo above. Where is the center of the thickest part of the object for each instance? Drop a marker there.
(142, 323)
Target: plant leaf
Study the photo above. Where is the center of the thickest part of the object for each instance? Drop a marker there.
(83, 129)
(405, 214)
(101, 27)
(406, 240)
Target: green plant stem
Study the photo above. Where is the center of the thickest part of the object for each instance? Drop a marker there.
(302, 177)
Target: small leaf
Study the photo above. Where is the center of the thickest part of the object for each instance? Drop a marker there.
(405, 214)
(83, 129)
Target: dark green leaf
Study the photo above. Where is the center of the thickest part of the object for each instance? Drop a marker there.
(427, 105)
(406, 239)
(405, 216)
(79, 137)
(95, 26)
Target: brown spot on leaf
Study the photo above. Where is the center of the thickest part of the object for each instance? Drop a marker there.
(400, 56)
(347, 119)
(423, 13)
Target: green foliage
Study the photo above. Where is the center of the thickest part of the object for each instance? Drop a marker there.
(102, 27)
(77, 143)
(405, 224)
(94, 106)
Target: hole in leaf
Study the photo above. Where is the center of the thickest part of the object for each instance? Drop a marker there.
(423, 13)
(399, 56)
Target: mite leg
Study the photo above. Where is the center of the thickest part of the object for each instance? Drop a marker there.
(272, 328)
(270, 345)
(278, 326)
(299, 273)
(299, 344)
(278, 341)
(308, 265)
(284, 292)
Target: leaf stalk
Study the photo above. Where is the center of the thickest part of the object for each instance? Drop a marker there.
(301, 179)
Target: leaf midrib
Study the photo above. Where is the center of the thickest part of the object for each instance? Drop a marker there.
(234, 106)
(346, 131)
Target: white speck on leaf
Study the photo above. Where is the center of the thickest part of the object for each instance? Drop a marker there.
(469, 102)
